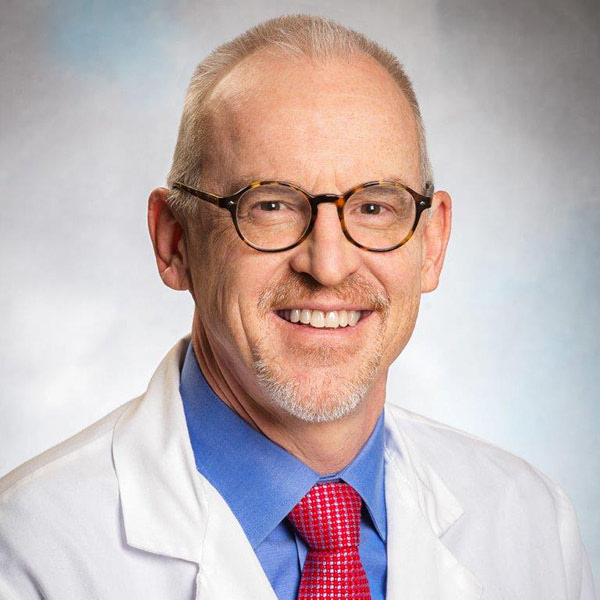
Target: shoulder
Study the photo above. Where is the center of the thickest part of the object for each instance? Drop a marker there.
(57, 503)
(510, 510)
(476, 470)
(85, 449)
(69, 485)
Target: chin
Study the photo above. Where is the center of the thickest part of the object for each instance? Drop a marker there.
(319, 395)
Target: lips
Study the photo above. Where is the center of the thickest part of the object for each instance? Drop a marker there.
(319, 319)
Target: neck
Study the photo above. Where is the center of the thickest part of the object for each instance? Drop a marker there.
(324, 447)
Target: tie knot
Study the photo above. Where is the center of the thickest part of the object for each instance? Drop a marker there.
(328, 517)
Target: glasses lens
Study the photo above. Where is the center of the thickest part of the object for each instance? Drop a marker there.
(273, 216)
(380, 216)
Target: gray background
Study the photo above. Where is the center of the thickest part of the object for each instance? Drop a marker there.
(506, 349)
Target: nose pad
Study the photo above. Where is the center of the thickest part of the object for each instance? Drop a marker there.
(326, 255)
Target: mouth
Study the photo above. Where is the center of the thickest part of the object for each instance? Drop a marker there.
(319, 319)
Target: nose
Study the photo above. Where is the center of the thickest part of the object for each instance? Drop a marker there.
(326, 254)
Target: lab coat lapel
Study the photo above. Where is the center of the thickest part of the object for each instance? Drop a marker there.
(168, 508)
(420, 508)
(162, 498)
(229, 568)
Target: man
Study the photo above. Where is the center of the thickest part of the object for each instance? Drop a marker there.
(261, 462)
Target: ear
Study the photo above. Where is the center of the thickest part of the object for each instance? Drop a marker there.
(435, 240)
(168, 242)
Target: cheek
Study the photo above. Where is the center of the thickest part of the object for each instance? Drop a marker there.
(405, 304)
(228, 279)
(403, 284)
(213, 252)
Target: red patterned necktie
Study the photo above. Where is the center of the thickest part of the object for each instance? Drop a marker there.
(328, 519)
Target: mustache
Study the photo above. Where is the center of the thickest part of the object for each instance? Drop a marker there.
(294, 288)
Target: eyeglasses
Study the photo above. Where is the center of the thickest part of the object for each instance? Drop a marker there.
(273, 216)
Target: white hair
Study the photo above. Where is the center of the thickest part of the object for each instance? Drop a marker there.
(293, 36)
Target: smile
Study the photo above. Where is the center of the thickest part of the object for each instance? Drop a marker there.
(333, 319)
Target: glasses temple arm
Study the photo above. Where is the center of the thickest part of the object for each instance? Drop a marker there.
(212, 198)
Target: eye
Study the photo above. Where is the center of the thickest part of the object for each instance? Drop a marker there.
(270, 205)
(370, 208)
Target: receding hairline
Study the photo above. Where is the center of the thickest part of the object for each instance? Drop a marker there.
(232, 84)
(290, 37)
(242, 87)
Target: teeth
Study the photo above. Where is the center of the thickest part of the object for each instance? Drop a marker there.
(343, 318)
(319, 319)
(331, 319)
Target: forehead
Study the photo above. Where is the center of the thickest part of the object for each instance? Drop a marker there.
(337, 122)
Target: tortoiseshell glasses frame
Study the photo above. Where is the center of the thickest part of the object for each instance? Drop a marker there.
(230, 203)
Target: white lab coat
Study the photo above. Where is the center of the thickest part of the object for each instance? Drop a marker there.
(120, 512)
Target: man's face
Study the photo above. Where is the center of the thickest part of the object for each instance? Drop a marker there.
(326, 129)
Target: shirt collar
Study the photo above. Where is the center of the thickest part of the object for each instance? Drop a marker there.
(366, 475)
(260, 481)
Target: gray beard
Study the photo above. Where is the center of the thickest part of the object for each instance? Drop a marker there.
(318, 398)
(315, 401)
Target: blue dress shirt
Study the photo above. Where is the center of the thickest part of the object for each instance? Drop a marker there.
(261, 482)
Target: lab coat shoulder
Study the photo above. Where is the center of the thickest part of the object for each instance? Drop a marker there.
(512, 513)
(62, 533)
(91, 443)
(478, 468)
(50, 504)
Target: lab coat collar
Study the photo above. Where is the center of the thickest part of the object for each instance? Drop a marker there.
(406, 463)
(420, 509)
(166, 504)
(163, 502)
